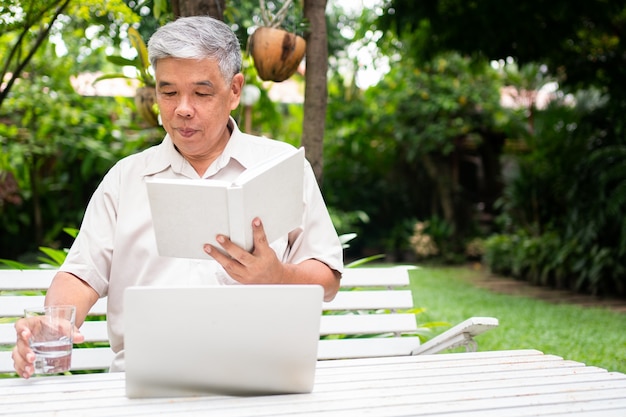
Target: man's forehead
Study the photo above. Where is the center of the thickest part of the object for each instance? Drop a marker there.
(203, 72)
(169, 62)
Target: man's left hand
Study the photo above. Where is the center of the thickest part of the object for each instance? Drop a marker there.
(261, 266)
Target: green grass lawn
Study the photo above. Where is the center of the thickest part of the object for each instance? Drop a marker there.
(593, 336)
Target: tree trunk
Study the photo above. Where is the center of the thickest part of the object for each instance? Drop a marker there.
(316, 90)
(213, 8)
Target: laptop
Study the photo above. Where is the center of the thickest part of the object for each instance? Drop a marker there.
(226, 339)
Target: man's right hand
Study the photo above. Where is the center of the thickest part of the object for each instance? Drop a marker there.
(23, 355)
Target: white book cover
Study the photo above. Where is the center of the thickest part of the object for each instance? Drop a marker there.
(187, 213)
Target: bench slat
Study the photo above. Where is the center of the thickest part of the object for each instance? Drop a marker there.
(367, 324)
(94, 331)
(28, 279)
(370, 300)
(366, 348)
(91, 359)
(376, 277)
(14, 305)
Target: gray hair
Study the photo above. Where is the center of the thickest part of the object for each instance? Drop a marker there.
(197, 37)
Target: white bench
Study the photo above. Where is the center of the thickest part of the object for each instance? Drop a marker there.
(378, 311)
(373, 302)
(25, 288)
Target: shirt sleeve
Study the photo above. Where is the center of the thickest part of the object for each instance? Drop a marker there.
(317, 237)
(90, 256)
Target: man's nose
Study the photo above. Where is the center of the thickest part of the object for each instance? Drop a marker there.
(184, 108)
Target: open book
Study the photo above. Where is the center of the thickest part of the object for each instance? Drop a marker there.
(188, 213)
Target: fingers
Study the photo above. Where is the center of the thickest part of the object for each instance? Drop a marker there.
(229, 247)
(23, 356)
(233, 261)
(78, 336)
(236, 252)
(258, 235)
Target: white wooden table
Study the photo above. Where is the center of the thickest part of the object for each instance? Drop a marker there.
(500, 383)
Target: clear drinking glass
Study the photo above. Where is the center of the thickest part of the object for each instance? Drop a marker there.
(52, 329)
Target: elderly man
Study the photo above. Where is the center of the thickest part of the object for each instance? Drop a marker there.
(197, 64)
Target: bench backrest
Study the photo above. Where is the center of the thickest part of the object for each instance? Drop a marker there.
(370, 303)
(370, 316)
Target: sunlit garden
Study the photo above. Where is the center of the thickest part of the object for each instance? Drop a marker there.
(436, 143)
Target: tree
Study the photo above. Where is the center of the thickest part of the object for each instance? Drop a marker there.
(582, 42)
(26, 26)
(40, 113)
(31, 31)
(316, 90)
(568, 195)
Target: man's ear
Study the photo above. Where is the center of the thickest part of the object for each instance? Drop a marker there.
(236, 87)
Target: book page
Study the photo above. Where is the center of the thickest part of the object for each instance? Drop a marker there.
(275, 196)
(266, 165)
(186, 214)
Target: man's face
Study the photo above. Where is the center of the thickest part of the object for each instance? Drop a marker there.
(195, 102)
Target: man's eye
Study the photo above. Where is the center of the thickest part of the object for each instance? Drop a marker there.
(203, 94)
(168, 93)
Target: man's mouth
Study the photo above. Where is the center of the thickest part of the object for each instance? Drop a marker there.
(186, 132)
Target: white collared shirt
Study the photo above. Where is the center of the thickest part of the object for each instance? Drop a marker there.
(116, 247)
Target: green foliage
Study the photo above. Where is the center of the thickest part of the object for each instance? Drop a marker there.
(390, 150)
(140, 62)
(57, 145)
(583, 40)
(348, 223)
(563, 205)
(11, 264)
(550, 260)
(565, 190)
(358, 171)
(28, 26)
(430, 107)
(347, 237)
(54, 257)
(499, 252)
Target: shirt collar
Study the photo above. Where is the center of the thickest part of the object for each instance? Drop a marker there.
(167, 156)
(238, 149)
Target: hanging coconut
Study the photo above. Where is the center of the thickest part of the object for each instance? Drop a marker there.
(276, 53)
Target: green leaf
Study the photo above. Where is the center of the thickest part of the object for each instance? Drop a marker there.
(123, 62)
(362, 261)
(14, 264)
(110, 76)
(142, 55)
(57, 256)
(72, 231)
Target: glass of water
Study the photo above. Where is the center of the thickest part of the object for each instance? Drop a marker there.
(52, 329)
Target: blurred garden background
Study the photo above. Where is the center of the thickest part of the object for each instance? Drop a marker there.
(453, 131)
